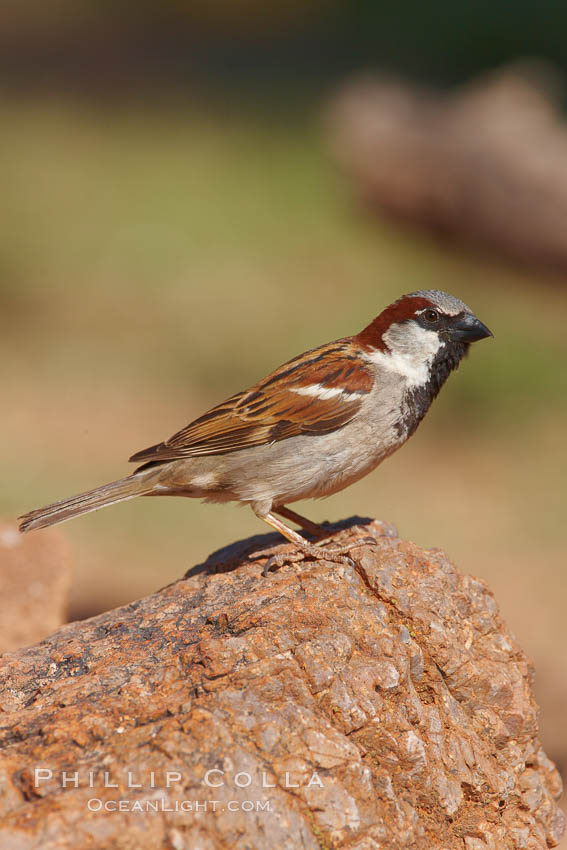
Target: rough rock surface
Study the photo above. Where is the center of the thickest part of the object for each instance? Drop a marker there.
(326, 706)
(35, 575)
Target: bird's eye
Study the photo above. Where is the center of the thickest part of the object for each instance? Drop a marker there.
(431, 315)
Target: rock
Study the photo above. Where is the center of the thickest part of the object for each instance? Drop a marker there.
(326, 706)
(35, 576)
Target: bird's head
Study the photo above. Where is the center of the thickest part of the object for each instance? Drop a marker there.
(419, 330)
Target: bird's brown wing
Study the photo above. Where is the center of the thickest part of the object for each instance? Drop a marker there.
(315, 393)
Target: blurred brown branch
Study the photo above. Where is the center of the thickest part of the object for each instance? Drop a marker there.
(486, 166)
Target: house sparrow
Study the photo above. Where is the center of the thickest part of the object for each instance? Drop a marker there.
(312, 427)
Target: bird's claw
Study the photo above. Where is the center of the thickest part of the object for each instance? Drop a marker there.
(275, 562)
(362, 541)
(338, 555)
(369, 541)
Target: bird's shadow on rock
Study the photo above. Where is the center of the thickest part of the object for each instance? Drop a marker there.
(253, 549)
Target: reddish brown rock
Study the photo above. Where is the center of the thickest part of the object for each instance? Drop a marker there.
(35, 575)
(322, 707)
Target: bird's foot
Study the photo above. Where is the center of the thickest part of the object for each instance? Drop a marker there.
(275, 562)
(338, 554)
(362, 541)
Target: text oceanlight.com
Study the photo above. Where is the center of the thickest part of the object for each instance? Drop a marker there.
(157, 791)
(95, 804)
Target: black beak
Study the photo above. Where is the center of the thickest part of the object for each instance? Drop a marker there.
(468, 328)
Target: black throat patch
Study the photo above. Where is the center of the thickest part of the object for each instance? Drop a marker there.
(417, 401)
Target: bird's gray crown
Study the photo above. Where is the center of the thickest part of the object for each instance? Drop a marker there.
(447, 303)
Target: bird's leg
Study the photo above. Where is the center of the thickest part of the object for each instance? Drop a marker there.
(287, 532)
(311, 527)
(338, 554)
(301, 521)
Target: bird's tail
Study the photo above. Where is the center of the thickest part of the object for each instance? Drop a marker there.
(117, 491)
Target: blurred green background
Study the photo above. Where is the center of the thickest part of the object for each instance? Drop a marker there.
(172, 228)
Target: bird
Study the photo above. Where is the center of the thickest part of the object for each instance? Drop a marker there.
(312, 427)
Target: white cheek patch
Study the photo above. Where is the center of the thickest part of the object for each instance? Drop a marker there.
(411, 352)
(321, 392)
